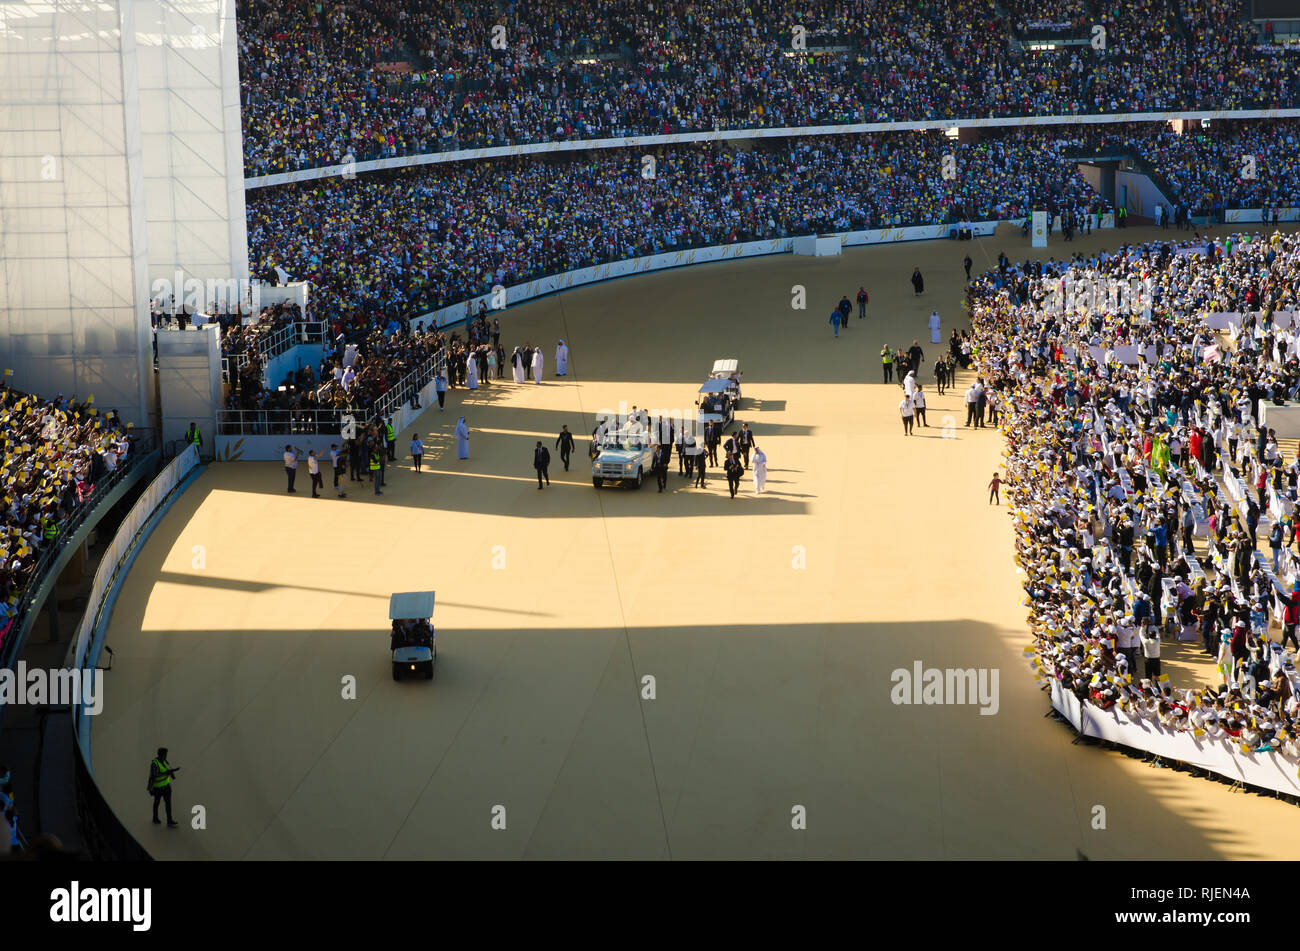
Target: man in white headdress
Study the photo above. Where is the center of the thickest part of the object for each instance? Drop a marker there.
(934, 326)
(471, 371)
(537, 365)
(909, 382)
(561, 359)
(759, 468)
(462, 439)
(517, 361)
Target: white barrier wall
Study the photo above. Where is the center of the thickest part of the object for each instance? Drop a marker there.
(466, 155)
(1224, 757)
(726, 252)
(84, 649)
(1143, 195)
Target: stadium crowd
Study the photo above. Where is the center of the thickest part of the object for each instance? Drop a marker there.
(325, 82)
(384, 246)
(54, 452)
(1140, 472)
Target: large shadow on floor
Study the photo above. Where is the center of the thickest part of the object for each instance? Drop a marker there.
(746, 724)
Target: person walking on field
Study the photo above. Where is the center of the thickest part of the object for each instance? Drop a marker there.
(564, 443)
(907, 410)
(862, 302)
(993, 490)
(918, 403)
(835, 321)
(417, 450)
(542, 463)
(160, 785)
(887, 363)
(734, 471)
(759, 470)
(918, 282)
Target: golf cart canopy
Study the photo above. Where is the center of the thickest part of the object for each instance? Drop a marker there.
(716, 386)
(411, 605)
(726, 368)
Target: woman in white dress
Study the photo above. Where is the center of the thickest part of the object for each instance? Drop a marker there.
(517, 362)
(471, 370)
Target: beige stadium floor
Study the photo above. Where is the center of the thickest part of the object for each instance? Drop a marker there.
(772, 682)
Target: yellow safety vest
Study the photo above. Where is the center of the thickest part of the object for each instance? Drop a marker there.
(374, 462)
(164, 778)
(197, 438)
(388, 432)
(886, 358)
(50, 529)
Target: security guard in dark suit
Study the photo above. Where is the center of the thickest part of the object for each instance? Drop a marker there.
(734, 471)
(660, 464)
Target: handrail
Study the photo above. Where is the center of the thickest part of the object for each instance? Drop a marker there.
(724, 135)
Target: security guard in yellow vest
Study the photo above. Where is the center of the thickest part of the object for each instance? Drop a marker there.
(887, 362)
(195, 437)
(160, 784)
(375, 476)
(390, 438)
(49, 528)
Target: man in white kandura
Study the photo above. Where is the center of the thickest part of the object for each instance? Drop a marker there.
(759, 467)
(462, 439)
(909, 383)
(537, 365)
(934, 326)
(561, 359)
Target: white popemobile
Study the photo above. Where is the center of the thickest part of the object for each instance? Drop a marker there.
(624, 457)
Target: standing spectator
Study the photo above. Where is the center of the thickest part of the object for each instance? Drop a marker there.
(918, 404)
(993, 490)
(290, 465)
(862, 302)
(906, 410)
(918, 282)
(440, 384)
(417, 450)
(336, 456)
(1151, 651)
(313, 470)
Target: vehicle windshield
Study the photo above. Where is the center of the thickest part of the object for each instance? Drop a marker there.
(623, 441)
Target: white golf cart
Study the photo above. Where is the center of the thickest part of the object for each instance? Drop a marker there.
(412, 636)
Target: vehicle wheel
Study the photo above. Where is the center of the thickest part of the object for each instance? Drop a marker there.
(596, 483)
(397, 671)
(428, 674)
(640, 477)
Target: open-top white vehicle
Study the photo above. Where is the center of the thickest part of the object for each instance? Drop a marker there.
(623, 457)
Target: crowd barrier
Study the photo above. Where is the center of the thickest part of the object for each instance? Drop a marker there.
(105, 836)
(723, 135)
(554, 283)
(1224, 757)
